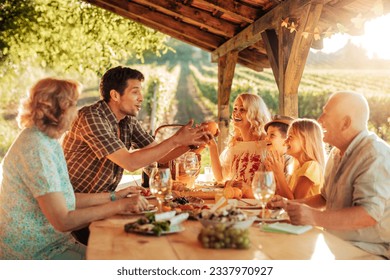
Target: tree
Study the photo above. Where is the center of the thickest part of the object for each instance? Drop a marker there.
(73, 35)
(69, 35)
(15, 17)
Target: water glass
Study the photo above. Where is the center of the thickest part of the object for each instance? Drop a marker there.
(160, 184)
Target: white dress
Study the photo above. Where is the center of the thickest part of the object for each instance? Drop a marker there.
(241, 161)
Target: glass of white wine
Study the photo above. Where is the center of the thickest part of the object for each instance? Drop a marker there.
(160, 184)
(263, 187)
(192, 167)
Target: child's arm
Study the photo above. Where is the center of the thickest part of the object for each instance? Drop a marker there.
(303, 187)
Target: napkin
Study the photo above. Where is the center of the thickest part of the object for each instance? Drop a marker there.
(286, 228)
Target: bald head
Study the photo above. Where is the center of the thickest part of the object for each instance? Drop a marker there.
(353, 105)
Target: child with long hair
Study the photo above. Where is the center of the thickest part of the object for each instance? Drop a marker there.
(304, 143)
(243, 155)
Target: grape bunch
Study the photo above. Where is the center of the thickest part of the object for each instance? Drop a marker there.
(221, 236)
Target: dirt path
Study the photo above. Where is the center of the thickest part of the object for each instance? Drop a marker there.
(189, 104)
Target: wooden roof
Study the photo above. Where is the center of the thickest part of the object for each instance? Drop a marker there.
(258, 34)
(219, 26)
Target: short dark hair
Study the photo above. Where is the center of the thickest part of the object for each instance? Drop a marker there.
(280, 122)
(116, 78)
(281, 126)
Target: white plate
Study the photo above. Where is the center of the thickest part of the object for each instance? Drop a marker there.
(173, 229)
(204, 184)
(283, 216)
(277, 219)
(151, 209)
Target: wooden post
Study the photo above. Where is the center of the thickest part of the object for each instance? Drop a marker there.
(288, 51)
(154, 108)
(226, 68)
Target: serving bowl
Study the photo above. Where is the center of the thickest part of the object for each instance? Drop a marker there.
(238, 224)
(228, 216)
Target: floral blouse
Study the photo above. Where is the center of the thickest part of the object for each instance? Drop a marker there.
(241, 161)
(33, 166)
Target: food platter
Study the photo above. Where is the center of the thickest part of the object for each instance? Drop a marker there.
(157, 224)
(172, 229)
(191, 205)
(147, 194)
(151, 209)
(247, 203)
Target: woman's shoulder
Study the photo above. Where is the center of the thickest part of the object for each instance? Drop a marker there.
(33, 135)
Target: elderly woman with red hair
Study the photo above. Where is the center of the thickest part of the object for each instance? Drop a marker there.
(38, 207)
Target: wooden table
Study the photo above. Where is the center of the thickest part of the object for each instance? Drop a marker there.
(108, 240)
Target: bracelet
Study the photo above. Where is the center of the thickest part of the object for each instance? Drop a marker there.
(112, 196)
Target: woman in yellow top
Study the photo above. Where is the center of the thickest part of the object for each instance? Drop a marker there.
(304, 143)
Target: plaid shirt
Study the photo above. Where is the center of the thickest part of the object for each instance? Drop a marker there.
(92, 137)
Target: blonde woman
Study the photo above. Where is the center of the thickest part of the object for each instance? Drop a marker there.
(38, 207)
(243, 155)
(304, 143)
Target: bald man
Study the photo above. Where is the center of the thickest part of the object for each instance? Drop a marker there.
(354, 203)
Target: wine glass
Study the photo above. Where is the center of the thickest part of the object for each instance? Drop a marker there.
(146, 171)
(263, 187)
(191, 166)
(160, 184)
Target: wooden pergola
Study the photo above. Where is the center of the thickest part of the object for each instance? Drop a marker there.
(257, 34)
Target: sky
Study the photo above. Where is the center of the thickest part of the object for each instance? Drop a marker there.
(376, 39)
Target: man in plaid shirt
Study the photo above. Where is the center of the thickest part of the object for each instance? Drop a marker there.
(101, 141)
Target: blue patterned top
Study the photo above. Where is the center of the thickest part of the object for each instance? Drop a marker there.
(33, 166)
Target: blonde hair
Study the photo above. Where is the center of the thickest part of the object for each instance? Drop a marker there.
(257, 113)
(309, 134)
(50, 106)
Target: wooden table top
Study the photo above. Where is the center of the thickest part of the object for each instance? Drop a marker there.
(109, 241)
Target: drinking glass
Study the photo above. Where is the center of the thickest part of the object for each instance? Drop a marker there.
(146, 171)
(160, 184)
(191, 166)
(149, 168)
(263, 187)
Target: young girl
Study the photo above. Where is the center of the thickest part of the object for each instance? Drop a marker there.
(304, 143)
(243, 155)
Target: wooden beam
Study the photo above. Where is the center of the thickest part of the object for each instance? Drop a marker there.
(270, 40)
(251, 34)
(254, 56)
(179, 30)
(233, 9)
(250, 64)
(294, 49)
(226, 68)
(286, 101)
(192, 15)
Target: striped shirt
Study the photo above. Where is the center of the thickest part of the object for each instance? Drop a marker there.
(92, 137)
